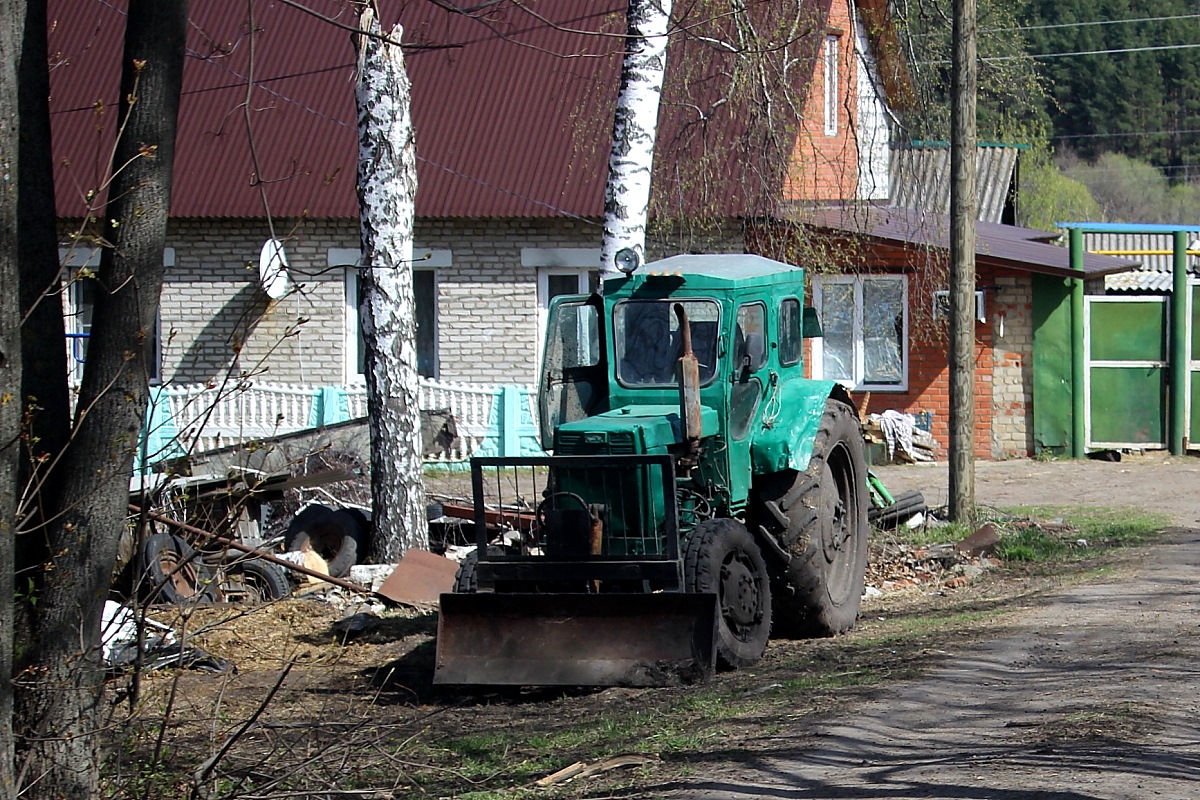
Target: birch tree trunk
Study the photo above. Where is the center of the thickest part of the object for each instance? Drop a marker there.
(635, 125)
(387, 189)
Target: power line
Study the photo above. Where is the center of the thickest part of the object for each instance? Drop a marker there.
(1087, 24)
(1092, 52)
(1123, 134)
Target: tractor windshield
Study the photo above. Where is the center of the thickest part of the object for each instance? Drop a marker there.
(647, 338)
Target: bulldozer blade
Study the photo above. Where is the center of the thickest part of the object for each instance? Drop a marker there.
(663, 639)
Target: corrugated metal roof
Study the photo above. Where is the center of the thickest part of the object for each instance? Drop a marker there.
(921, 178)
(1154, 274)
(1007, 246)
(512, 121)
(494, 116)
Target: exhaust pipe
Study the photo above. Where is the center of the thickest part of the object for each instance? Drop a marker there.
(688, 375)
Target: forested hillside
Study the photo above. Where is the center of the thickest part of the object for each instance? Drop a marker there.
(1143, 101)
(1106, 92)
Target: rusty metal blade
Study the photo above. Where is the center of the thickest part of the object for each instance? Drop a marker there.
(662, 639)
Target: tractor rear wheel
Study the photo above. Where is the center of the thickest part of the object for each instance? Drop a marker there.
(722, 557)
(819, 517)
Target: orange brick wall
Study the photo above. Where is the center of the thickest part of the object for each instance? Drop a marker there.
(826, 167)
(1003, 374)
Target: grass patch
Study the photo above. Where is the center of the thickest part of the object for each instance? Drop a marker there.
(1048, 535)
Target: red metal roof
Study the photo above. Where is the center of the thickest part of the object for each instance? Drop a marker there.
(511, 121)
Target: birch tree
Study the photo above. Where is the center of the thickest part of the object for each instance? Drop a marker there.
(387, 188)
(635, 124)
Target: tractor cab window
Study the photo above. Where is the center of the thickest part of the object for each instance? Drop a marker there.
(573, 371)
(750, 338)
(749, 355)
(789, 332)
(647, 340)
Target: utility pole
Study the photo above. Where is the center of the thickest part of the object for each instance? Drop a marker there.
(963, 202)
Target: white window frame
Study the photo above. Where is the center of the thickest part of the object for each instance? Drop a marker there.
(74, 258)
(830, 57)
(859, 355)
(581, 262)
(350, 258)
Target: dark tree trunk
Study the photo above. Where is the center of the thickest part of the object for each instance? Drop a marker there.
(11, 16)
(44, 389)
(60, 713)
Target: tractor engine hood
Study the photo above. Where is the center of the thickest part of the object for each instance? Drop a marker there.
(629, 430)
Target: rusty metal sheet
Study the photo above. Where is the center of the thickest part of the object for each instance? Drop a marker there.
(663, 639)
(518, 520)
(420, 578)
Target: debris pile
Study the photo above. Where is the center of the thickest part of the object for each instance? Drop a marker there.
(902, 439)
(894, 566)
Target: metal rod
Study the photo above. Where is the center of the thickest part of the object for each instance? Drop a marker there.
(265, 556)
(1178, 354)
(1078, 356)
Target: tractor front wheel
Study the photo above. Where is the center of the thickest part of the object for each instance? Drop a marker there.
(722, 557)
(819, 517)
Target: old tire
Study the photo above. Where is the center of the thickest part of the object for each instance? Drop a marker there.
(819, 517)
(904, 506)
(336, 536)
(465, 580)
(171, 571)
(256, 580)
(722, 557)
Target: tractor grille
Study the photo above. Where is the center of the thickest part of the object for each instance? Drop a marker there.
(576, 443)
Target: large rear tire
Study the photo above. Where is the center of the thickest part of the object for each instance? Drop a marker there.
(819, 517)
(722, 557)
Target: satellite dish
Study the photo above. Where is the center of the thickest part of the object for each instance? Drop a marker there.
(273, 269)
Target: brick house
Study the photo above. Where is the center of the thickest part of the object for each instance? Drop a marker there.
(512, 124)
(884, 311)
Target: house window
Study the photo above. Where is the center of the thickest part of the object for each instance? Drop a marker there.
(830, 61)
(425, 304)
(79, 301)
(562, 270)
(865, 326)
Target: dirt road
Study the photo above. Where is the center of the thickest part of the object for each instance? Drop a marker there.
(1094, 694)
(1154, 482)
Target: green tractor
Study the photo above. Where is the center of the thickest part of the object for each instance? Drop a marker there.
(701, 496)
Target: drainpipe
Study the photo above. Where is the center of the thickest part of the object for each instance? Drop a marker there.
(1179, 344)
(1078, 398)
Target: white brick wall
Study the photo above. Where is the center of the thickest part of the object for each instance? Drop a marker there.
(215, 317)
(1012, 380)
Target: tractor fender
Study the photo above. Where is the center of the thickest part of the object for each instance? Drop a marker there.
(790, 422)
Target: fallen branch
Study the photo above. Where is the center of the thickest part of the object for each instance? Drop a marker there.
(581, 769)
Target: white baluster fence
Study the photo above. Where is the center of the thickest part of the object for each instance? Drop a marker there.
(208, 417)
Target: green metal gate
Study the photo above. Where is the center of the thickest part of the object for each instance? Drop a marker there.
(1126, 372)
(1193, 407)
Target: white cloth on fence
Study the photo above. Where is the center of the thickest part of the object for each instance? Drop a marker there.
(897, 429)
